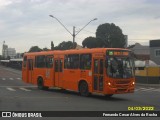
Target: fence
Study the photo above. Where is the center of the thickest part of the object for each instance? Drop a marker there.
(148, 75)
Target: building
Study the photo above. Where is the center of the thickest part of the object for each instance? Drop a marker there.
(155, 51)
(78, 47)
(8, 52)
(141, 52)
(18, 55)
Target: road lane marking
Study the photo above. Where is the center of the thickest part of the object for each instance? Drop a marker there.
(11, 78)
(19, 79)
(3, 78)
(11, 89)
(24, 89)
(147, 89)
(157, 90)
(138, 89)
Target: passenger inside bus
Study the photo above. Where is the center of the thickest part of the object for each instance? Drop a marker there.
(119, 67)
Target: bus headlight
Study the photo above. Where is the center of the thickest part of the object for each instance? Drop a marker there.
(109, 83)
(133, 83)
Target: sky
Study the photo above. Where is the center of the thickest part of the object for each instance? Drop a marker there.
(26, 23)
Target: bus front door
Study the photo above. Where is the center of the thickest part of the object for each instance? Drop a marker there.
(30, 70)
(98, 75)
(58, 67)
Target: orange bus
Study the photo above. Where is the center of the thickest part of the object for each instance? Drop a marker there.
(106, 71)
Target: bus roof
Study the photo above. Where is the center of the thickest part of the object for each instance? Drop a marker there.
(73, 51)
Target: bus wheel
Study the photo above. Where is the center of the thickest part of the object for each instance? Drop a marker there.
(40, 84)
(83, 89)
(109, 95)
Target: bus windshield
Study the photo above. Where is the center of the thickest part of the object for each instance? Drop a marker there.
(119, 67)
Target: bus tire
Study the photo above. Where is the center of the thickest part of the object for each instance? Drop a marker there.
(41, 84)
(83, 89)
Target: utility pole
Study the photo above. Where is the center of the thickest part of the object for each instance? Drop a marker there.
(73, 34)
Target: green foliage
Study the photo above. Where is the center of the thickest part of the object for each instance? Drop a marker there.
(45, 49)
(35, 49)
(89, 42)
(65, 45)
(1, 57)
(107, 35)
(110, 35)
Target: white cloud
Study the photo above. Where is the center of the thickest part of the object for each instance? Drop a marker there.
(25, 23)
(5, 2)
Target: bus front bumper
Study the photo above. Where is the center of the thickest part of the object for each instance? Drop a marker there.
(119, 90)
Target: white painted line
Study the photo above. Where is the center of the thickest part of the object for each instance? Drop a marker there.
(158, 90)
(138, 89)
(142, 88)
(11, 89)
(148, 89)
(24, 89)
(3, 78)
(11, 78)
(19, 79)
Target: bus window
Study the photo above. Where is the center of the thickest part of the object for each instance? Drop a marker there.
(30, 64)
(40, 61)
(101, 66)
(85, 61)
(71, 61)
(60, 65)
(24, 61)
(56, 65)
(96, 66)
(49, 61)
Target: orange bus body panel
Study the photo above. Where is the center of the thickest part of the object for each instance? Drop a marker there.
(70, 78)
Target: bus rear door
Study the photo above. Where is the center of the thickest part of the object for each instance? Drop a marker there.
(58, 67)
(98, 74)
(30, 70)
(49, 81)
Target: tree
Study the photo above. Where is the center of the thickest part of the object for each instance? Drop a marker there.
(45, 49)
(35, 49)
(65, 45)
(52, 45)
(110, 35)
(89, 42)
(1, 57)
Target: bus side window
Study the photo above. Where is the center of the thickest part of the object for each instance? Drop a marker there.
(56, 66)
(49, 61)
(66, 61)
(40, 61)
(72, 61)
(60, 65)
(24, 61)
(85, 61)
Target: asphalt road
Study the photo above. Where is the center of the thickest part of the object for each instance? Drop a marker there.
(15, 95)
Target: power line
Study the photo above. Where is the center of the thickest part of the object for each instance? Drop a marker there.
(87, 31)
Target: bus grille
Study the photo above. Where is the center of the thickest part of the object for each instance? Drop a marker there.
(121, 90)
(123, 82)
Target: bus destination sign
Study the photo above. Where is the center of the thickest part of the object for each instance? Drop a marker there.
(117, 53)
